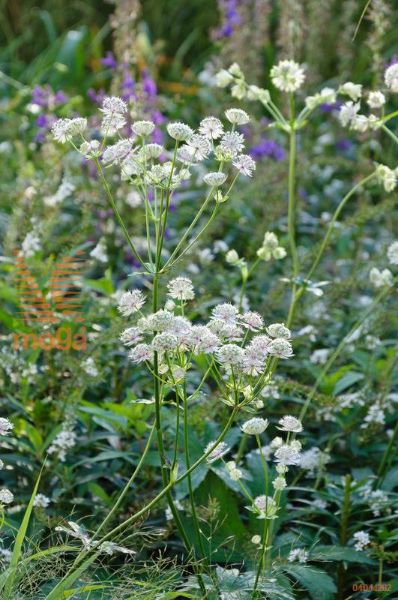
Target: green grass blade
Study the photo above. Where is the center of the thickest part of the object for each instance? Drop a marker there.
(16, 553)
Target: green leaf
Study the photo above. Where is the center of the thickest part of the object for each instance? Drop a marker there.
(318, 584)
(17, 551)
(339, 553)
(347, 381)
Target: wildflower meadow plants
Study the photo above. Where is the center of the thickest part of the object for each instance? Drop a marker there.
(229, 431)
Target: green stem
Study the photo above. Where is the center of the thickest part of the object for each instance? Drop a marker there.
(117, 213)
(345, 515)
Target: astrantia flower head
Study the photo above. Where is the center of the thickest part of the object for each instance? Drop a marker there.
(236, 116)
(232, 143)
(141, 353)
(287, 76)
(131, 336)
(348, 113)
(289, 423)
(181, 288)
(5, 426)
(231, 355)
(179, 131)
(245, 164)
(281, 348)
(279, 483)
(215, 179)
(225, 312)
(151, 151)
(252, 320)
(352, 90)
(233, 471)
(6, 497)
(380, 278)
(255, 426)
(287, 455)
(117, 152)
(41, 501)
(392, 253)
(376, 99)
(218, 452)
(201, 146)
(388, 177)
(131, 302)
(90, 149)
(113, 104)
(165, 341)
(143, 128)
(211, 127)
(279, 330)
(265, 507)
(64, 130)
(391, 77)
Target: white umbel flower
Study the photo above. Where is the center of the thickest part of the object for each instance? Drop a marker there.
(41, 501)
(200, 145)
(181, 288)
(236, 116)
(113, 104)
(376, 99)
(265, 507)
(361, 539)
(255, 426)
(348, 113)
(131, 302)
(380, 278)
(245, 164)
(218, 452)
(289, 423)
(143, 128)
(233, 471)
(279, 483)
(352, 90)
(215, 179)
(287, 76)
(391, 77)
(141, 353)
(287, 455)
(5, 426)
(279, 330)
(298, 555)
(281, 348)
(64, 130)
(232, 143)
(388, 177)
(6, 497)
(392, 253)
(179, 131)
(211, 128)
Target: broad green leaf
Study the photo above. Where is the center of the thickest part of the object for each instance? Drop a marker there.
(319, 585)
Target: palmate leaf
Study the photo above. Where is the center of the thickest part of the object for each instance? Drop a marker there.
(319, 585)
(332, 553)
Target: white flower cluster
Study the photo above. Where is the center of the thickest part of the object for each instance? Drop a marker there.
(298, 555)
(64, 441)
(313, 459)
(137, 156)
(172, 335)
(388, 177)
(6, 496)
(380, 278)
(271, 248)
(287, 76)
(361, 539)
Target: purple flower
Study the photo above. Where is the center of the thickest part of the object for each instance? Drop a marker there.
(128, 87)
(95, 96)
(60, 97)
(109, 61)
(344, 145)
(328, 108)
(149, 85)
(40, 96)
(42, 121)
(267, 148)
